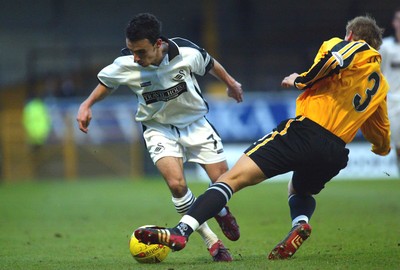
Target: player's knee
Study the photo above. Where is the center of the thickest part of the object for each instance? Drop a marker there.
(177, 188)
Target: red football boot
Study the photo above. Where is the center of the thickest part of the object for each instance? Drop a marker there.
(163, 236)
(219, 252)
(288, 246)
(229, 225)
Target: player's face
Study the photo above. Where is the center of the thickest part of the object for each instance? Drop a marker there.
(396, 22)
(144, 52)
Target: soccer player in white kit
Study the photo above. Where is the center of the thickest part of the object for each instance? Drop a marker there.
(161, 72)
(390, 66)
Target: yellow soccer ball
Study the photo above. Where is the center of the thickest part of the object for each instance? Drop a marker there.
(143, 253)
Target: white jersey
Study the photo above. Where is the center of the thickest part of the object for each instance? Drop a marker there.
(168, 93)
(390, 66)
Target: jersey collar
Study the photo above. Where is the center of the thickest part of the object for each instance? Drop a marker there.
(173, 50)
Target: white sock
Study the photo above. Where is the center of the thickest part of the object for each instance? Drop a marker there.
(209, 237)
(297, 219)
(190, 221)
(223, 212)
(182, 205)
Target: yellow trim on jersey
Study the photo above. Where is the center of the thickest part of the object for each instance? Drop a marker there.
(337, 58)
(282, 132)
(330, 102)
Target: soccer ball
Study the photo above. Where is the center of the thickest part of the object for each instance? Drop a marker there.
(143, 253)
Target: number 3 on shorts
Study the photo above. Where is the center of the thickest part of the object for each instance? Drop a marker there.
(359, 107)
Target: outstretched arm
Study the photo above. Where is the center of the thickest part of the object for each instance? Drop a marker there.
(234, 88)
(333, 56)
(85, 113)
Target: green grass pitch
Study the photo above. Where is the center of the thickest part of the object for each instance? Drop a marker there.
(86, 225)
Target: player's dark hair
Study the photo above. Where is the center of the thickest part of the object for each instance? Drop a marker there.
(142, 26)
(365, 28)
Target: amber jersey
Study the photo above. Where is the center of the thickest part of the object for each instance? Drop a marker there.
(345, 91)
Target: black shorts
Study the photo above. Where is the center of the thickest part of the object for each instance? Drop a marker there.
(314, 154)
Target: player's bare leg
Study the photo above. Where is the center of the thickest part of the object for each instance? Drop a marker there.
(244, 173)
(225, 218)
(172, 170)
(215, 170)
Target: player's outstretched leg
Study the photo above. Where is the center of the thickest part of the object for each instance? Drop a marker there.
(228, 224)
(288, 246)
(165, 236)
(214, 245)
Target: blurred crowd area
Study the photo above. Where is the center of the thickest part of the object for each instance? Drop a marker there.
(53, 50)
(58, 46)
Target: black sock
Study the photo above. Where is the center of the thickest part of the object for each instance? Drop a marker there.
(301, 205)
(211, 202)
(182, 229)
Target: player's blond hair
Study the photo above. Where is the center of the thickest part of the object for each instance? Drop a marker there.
(365, 28)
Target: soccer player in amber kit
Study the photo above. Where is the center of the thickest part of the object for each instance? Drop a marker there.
(161, 73)
(343, 91)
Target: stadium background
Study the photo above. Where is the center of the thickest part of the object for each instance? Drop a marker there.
(54, 49)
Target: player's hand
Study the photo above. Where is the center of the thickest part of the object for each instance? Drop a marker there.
(289, 80)
(235, 91)
(84, 116)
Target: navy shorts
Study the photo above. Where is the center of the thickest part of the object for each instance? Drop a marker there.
(314, 154)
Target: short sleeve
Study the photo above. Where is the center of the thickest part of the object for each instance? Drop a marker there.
(200, 61)
(112, 76)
